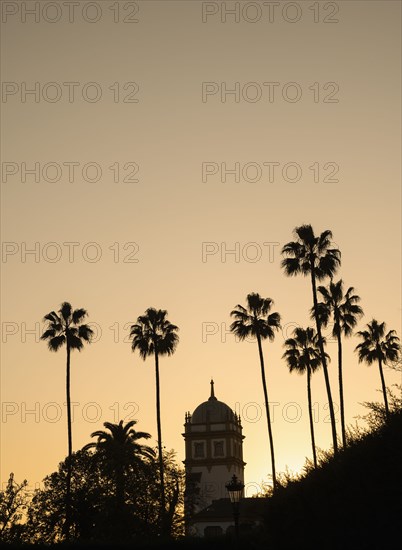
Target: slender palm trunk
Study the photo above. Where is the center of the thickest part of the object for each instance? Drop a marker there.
(264, 385)
(70, 448)
(323, 360)
(341, 400)
(310, 412)
(158, 420)
(384, 387)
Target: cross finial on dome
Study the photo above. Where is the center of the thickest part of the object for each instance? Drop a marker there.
(212, 397)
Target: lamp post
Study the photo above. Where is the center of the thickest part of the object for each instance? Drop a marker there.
(235, 488)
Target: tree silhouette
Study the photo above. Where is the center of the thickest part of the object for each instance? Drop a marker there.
(120, 447)
(303, 356)
(377, 345)
(345, 311)
(13, 502)
(91, 494)
(154, 335)
(256, 321)
(95, 517)
(313, 255)
(67, 328)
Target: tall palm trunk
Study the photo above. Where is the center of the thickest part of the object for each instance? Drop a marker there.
(70, 447)
(340, 376)
(264, 385)
(158, 420)
(384, 387)
(323, 359)
(310, 412)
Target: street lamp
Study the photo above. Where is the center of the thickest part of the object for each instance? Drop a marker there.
(235, 488)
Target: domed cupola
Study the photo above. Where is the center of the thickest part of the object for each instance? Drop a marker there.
(212, 411)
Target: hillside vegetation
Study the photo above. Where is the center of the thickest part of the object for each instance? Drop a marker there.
(352, 500)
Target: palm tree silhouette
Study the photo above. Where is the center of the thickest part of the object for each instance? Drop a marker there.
(66, 328)
(256, 321)
(154, 335)
(314, 256)
(345, 311)
(120, 447)
(378, 346)
(303, 356)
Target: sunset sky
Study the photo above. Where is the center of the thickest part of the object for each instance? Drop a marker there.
(238, 128)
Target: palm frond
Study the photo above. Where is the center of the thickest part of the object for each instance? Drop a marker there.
(85, 332)
(65, 311)
(56, 342)
(78, 315)
(306, 234)
(75, 342)
(52, 317)
(49, 333)
(292, 266)
(241, 329)
(324, 241)
(274, 320)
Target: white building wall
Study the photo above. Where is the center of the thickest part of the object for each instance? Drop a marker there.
(213, 482)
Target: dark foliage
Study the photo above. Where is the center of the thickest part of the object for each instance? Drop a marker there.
(353, 500)
(94, 514)
(13, 503)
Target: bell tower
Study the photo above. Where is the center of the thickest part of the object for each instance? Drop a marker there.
(214, 452)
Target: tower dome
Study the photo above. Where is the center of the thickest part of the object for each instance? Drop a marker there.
(212, 411)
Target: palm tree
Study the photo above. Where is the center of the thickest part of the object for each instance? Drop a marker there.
(120, 447)
(154, 335)
(314, 256)
(345, 311)
(255, 320)
(65, 327)
(377, 345)
(303, 356)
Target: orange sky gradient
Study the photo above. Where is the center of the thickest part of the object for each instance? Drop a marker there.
(171, 213)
